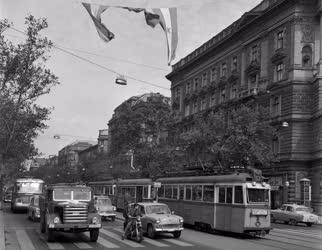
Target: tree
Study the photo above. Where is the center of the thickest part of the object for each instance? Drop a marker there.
(23, 79)
(142, 130)
(235, 135)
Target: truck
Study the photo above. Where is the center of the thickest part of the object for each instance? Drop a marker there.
(68, 208)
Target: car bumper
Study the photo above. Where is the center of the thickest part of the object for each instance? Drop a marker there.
(167, 229)
(107, 214)
(74, 226)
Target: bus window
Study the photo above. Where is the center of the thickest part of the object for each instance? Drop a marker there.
(222, 194)
(188, 193)
(168, 191)
(161, 191)
(181, 192)
(229, 198)
(208, 193)
(239, 195)
(175, 192)
(196, 192)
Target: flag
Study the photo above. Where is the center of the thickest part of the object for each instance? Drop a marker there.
(168, 22)
(102, 31)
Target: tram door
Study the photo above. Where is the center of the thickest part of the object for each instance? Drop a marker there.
(139, 194)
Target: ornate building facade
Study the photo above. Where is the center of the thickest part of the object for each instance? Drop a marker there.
(273, 53)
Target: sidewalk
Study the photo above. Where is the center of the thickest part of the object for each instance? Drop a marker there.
(2, 238)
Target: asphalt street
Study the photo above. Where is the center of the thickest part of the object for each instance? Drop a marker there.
(22, 234)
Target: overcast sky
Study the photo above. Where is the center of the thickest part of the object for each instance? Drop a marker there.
(84, 101)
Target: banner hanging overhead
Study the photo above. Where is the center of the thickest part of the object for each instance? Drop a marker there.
(166, 17)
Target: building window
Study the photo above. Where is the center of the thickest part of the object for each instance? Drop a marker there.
(279, 71)
(280, 40)
(196, 84)
(195, 107)
(188, 88)
(276, 106)
(187, 110)
(254, 54)
(212, 100)
(307, 56)
(203, 105)
(223, 69)
(177, 93)
(204, 79)
(213, 75)
(233, 92)
(222, 95)
(252, 79)
(234, 63)
(276, 146)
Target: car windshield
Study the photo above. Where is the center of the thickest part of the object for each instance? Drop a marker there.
(62, 195)
(103, 202)
(29, 187)
(256, 195)
(81, 195)
(303, 209)
(157, 209)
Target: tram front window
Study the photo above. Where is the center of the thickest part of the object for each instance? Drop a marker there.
(256, 195)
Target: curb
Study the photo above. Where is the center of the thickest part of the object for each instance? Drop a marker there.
(2, 237)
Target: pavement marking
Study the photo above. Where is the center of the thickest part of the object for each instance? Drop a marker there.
(118, 238)
(179, 243)
(106, 243)
(148, 240)
(82, 245)
(24, 240)
(2, 238)
(54, 246)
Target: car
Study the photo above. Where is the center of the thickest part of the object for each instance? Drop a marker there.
(33, 211)
(68, 207)
(294, 214)
(157, 218)
(7, 197)
(104, 207)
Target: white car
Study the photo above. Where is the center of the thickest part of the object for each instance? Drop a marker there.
(293, 214)
(104, 207)
(157, 218)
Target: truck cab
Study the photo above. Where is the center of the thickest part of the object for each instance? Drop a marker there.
(68, 208)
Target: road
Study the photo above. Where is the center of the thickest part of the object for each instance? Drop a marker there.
(22, 234)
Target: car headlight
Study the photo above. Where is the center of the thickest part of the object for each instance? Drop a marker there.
(56, 220)
(181, 220)
(94, 220)
(158, 221)
(114, 208)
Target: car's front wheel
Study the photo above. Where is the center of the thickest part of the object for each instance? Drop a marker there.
(293, 222)
(93, 234)
(309, 224)
(151, 232)
(177, 234)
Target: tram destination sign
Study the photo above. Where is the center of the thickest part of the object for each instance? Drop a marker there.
(157, 184)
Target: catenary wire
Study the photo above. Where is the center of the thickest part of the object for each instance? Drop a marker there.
(99, 65)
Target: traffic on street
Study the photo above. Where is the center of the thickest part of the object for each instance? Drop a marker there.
(23, 234)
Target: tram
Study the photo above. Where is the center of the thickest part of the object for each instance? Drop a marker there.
(104, 188)
(233, 202)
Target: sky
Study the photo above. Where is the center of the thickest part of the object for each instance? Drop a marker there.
(87, 95)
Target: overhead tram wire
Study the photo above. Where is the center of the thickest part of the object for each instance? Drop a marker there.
(99, 65)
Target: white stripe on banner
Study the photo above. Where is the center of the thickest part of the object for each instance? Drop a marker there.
(118, 238)
(24, 240)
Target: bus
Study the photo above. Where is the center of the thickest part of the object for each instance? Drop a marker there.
(233, 202)
(23, 190)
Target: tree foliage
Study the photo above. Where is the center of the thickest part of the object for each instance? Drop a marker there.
(232, 135)
(142, 129)
(23, 79)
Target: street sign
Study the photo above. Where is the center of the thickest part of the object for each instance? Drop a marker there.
(157, 184)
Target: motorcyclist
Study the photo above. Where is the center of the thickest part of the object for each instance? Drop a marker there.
(133, 212)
